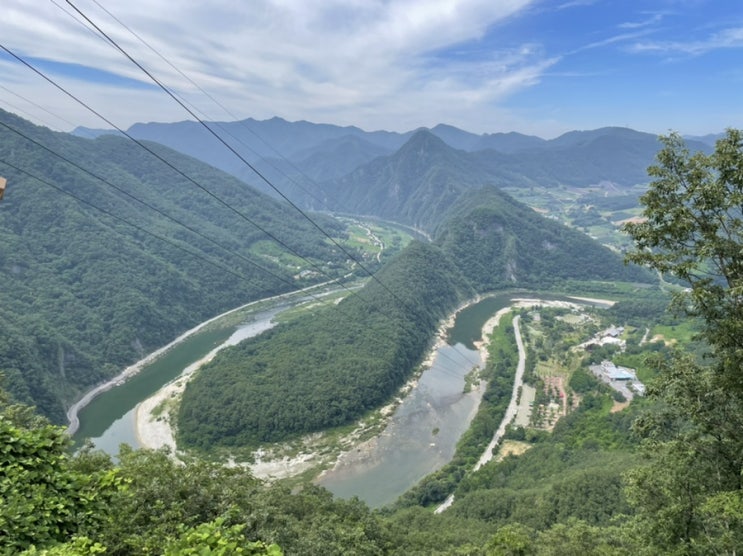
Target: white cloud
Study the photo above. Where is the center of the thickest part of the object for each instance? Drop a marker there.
(349, 60)
(727, 38)
(652, 20)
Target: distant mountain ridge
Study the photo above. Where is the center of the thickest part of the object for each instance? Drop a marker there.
(417, 184)
(297, 156)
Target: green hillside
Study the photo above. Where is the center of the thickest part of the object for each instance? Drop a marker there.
(325, 369)
(86, 293)
(416, 185)
(499, 242)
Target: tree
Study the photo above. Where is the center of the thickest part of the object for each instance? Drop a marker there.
(694, 231)
(217, 539)
(688, 496)
(44, 498)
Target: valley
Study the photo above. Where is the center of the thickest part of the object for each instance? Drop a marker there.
(348, 366)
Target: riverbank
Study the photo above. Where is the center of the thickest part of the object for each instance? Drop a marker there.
(154, 429)
(512, 409)
(337, 453)
(367, 454)
(74, 410)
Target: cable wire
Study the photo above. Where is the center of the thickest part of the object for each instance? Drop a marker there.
(167, 91)
(144, 203)
(174, 168)
(214, 100)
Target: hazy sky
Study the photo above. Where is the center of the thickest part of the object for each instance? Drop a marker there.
(538, 67)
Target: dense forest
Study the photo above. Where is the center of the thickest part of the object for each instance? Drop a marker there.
(86, 292)
(328, 368)
(499, 242)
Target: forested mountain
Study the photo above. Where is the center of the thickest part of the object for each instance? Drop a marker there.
(330, 160)
(306, 158)
(416, 185)
(254, 140)
(328, 368)
(86, 292)
(504, 142)
(499, 242)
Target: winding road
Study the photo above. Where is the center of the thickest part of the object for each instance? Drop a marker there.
(511, 411)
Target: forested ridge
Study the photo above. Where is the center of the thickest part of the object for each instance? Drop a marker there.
(328, 368)
(662, 476)
(499, 242)
(85, 293)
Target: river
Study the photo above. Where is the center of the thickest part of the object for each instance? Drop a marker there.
(422, 434)
(420, 437)
(108, 420)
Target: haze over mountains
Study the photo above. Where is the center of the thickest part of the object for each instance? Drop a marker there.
(322, 166)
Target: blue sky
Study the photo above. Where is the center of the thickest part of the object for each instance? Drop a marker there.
(537, 67)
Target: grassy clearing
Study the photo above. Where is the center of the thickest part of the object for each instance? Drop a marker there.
(374, 238)
(318, 302)
(276, 254)
(512, 448)
(682, 333)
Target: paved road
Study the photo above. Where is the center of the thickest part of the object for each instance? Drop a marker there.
(511, 411)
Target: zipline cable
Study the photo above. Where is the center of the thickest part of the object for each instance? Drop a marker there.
(144, 203)
(214, 100)
(175, 98)
(172, 166)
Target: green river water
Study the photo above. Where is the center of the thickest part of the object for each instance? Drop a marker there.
(420, 438)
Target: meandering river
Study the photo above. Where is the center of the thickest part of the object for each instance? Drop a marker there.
(108, 420)
(420, 438)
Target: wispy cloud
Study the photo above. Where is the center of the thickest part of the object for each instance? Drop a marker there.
(290, 57)
(727, 38)
(576, 4)
(614, 39)
(652, 20)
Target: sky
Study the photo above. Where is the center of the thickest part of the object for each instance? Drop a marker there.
(540, 67)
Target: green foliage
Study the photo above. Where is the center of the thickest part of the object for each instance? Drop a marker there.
(85, 294)
(511, 540)
(57, 504)
(325, 369)
(215, 538)
(44, 499)
(694, 230)
(78, 546)
(640, 309)
(581, 381)
(573, 473)
(499, 242)
(687, 494)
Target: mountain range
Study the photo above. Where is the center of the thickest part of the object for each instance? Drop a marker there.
(307, 161)
(86, 292)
